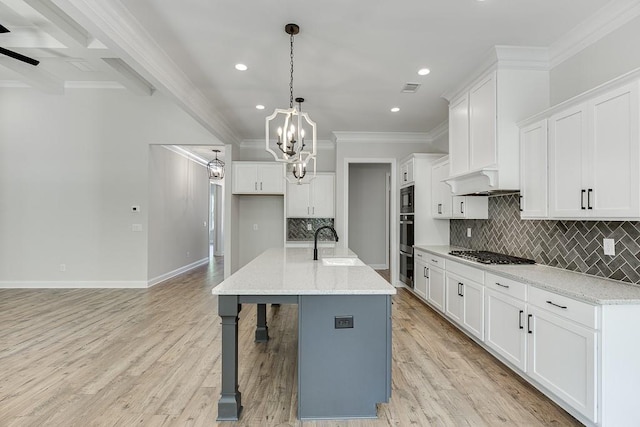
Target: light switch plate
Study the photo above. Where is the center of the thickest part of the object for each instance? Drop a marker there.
(469, 232)
(255, 227)
(609, 246)
(309, 227)
(136, 227)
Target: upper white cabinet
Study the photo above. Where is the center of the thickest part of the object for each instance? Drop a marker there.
(483, 131)
(312, 199)
(594, 158)
(406, 171)
(533, 170)
(440, 191)
(258, 178)
(470, 207)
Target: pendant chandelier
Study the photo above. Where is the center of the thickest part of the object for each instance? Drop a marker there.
(216, 167)
(287, 143)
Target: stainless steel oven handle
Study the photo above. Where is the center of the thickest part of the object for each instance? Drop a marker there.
(406, 222)
(406, 254)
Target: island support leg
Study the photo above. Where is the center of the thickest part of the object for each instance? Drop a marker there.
(262, 331)
(230, 403)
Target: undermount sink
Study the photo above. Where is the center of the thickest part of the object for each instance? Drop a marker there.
(342, 262)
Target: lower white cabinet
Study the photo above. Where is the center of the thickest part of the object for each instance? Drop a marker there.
(453, 298)
(435, 287)
(464, 303)
(505, 319)
(420, 276)
(561, 357)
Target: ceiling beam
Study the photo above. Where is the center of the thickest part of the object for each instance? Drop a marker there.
(112, 23)
(33, 76)
(128, 77)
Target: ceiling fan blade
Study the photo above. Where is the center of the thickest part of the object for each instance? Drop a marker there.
(3, 29)
(19, 57)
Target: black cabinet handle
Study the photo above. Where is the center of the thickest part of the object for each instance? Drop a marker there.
(582, 199)
(589, 191)
(461, 207)
(564, 307)
(520, 204)
(439, 208)
(426, 272)
(520, 319)
(529, 323)
(460, 289)
(405, 177)
(502, 286)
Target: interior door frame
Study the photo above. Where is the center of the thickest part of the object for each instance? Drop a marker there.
(391, 242)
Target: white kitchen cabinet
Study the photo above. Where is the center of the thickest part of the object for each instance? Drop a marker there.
(454, 302)
(459, 135)
(436, 287)
(470, 207)
(406, 171)
(505, 332)
(561, 357)
(258, 178)
(464, 301)
(594, 158)
(533, 171)
(313, 198)
(440, 191)
(483, 154)
(420, 276)
(482, 123)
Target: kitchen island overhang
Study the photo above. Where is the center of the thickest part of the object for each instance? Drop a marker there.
(344, 330)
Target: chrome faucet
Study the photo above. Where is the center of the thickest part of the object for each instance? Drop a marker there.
(315, 239)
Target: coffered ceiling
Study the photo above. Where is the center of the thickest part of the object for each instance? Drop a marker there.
(352, 58)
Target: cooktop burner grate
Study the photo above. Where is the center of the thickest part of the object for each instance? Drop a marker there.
(486, 257)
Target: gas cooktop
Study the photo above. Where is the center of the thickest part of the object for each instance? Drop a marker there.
(486, 257)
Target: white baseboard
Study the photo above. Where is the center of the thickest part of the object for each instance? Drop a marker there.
(81, 284)
(379, 266)
(176, 272)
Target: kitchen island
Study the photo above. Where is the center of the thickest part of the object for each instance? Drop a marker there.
(344, 329)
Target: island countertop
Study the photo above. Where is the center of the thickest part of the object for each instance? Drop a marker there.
(292, 271)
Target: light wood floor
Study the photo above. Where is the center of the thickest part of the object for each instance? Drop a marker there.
(151, 357)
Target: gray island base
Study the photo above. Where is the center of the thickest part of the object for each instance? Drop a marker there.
(344, 332)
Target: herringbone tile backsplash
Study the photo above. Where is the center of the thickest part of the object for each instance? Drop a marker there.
(573, 245)
(297, 229)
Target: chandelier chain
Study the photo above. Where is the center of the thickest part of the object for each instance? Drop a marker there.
(291, 81)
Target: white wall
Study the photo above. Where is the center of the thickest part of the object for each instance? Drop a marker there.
(265, 212)
(178, 212)
(368, 211)
(609, 57)
(71, 167)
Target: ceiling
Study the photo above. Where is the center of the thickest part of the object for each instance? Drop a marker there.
(351, 57)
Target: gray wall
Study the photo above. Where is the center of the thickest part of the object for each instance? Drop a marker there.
(178, 212)
(367, 211)
(326, 156)
(71, 167)
(268, 213)
(609, 57)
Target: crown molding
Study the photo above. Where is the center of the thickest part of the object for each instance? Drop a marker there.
(606, 20)
(382, 137)
(501, 57)
(92, 85)
(439, 131)
(13, 83)
(115, 26)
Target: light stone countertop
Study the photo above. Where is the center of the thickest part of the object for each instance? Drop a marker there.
(584, 287)
(292, 271)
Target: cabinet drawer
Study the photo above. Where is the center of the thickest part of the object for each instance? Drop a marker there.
(472, 273)
(569, 308)
(435, 261)
(506, 286)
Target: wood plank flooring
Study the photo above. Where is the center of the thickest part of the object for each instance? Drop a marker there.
(151, 357)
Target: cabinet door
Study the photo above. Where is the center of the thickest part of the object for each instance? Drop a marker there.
(271, 178)
(435, 287)
(505, 327)
(298, 200)
(458, 203)
(453, 298)
(533, 171)
(420, 278)
(482, 124)
(245, 177)
(561, 357)
(406, 172)
(567, 163)
(473, 307)
(322, 196)
(613, 189)
(459, 135)
(441, 192)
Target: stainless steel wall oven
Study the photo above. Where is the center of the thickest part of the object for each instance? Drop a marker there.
(406, 249)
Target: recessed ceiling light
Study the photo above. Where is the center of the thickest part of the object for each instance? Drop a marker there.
(241, 67)
(424, 71)
(395, 109)
(260, 107)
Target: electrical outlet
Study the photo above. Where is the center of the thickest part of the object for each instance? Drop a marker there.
(469, 232)
(136, 227)
(255, 227)
(63, 267)
(309, 227)
(609, 246)
(343, 322)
